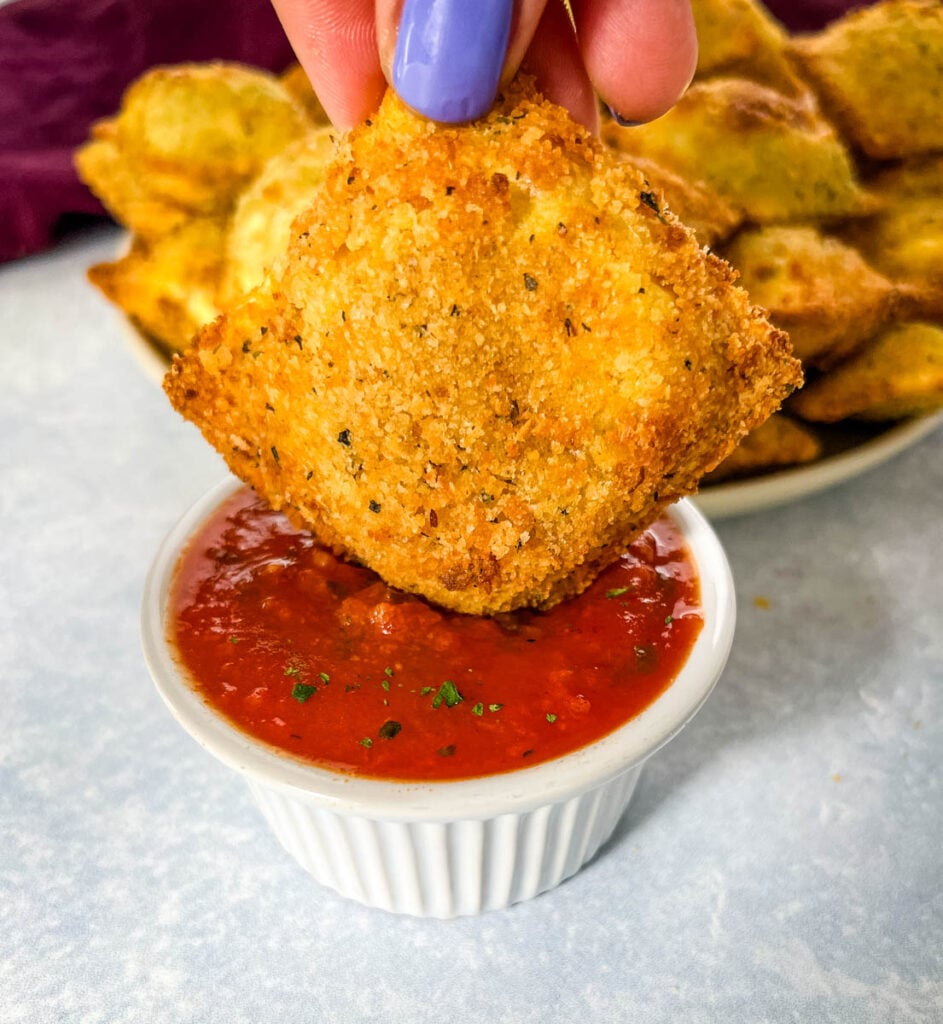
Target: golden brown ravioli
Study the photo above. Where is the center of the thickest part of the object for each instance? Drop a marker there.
(488, 359)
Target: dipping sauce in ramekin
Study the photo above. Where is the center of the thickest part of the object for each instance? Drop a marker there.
(322, 660)
(516, 743)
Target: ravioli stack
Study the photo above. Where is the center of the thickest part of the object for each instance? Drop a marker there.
(825, 154)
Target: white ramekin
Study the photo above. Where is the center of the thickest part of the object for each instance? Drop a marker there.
(449, 848)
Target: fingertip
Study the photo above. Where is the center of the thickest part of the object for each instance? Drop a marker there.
(555, 61)
(348, 102)
(449, 55)
(641, 55)
(335, 42)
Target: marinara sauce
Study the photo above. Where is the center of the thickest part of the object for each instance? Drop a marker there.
(320, 658)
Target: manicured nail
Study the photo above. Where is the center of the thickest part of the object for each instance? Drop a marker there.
(624, 121)
(449, 56)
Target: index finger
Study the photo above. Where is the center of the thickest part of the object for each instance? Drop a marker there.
(335, 41)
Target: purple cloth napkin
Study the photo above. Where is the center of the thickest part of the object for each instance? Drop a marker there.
(811, 15)
(66, 63)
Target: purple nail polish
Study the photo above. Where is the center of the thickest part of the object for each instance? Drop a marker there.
(449, 56)
(625, 122)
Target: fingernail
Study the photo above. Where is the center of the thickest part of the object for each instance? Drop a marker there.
(624, 121)
(449, 56)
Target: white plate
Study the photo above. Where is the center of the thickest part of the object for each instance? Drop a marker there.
(152, 359)
(852, 450)
(855, 450)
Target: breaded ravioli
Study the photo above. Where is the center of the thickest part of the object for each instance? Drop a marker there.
(187, 140)
(814, 287)
(775, 444)
(741, 39)
(904, 240)
(167, 286)
(771, 155)
(488, 359)
(897, 374)
(879, 73)
(260, 225)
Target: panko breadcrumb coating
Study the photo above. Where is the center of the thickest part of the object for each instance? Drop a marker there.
(488, 359)
(695, 204)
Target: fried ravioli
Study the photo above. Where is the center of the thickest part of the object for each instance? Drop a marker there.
(488, 359)
(773, 156)
(188, 138)
(815, 287)
(168, 286)
(775, 444)
(259, 227)
(125, 195)
(299, 87)
(740, 39)
(898, 374)
(879, 74)
(905, 239)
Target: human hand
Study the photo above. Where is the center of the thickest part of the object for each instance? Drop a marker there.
(447, 58)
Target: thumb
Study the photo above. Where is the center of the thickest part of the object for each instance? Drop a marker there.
(446, 58)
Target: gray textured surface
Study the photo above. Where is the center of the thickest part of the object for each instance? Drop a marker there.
(781, 860)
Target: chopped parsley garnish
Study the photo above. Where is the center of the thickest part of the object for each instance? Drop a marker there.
(448, 694)
(616, 592)
(495, 707)
(669, 619)
(388, 672)
(366, 742)
(389, 729)
(386, 685)
(426, 690)
(302, 691)
(292, 670)
(234, 639)
(478, 709)
(324, 677)
(551, 717)
(648, 198)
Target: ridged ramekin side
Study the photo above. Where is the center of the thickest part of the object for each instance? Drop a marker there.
(445, 868)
